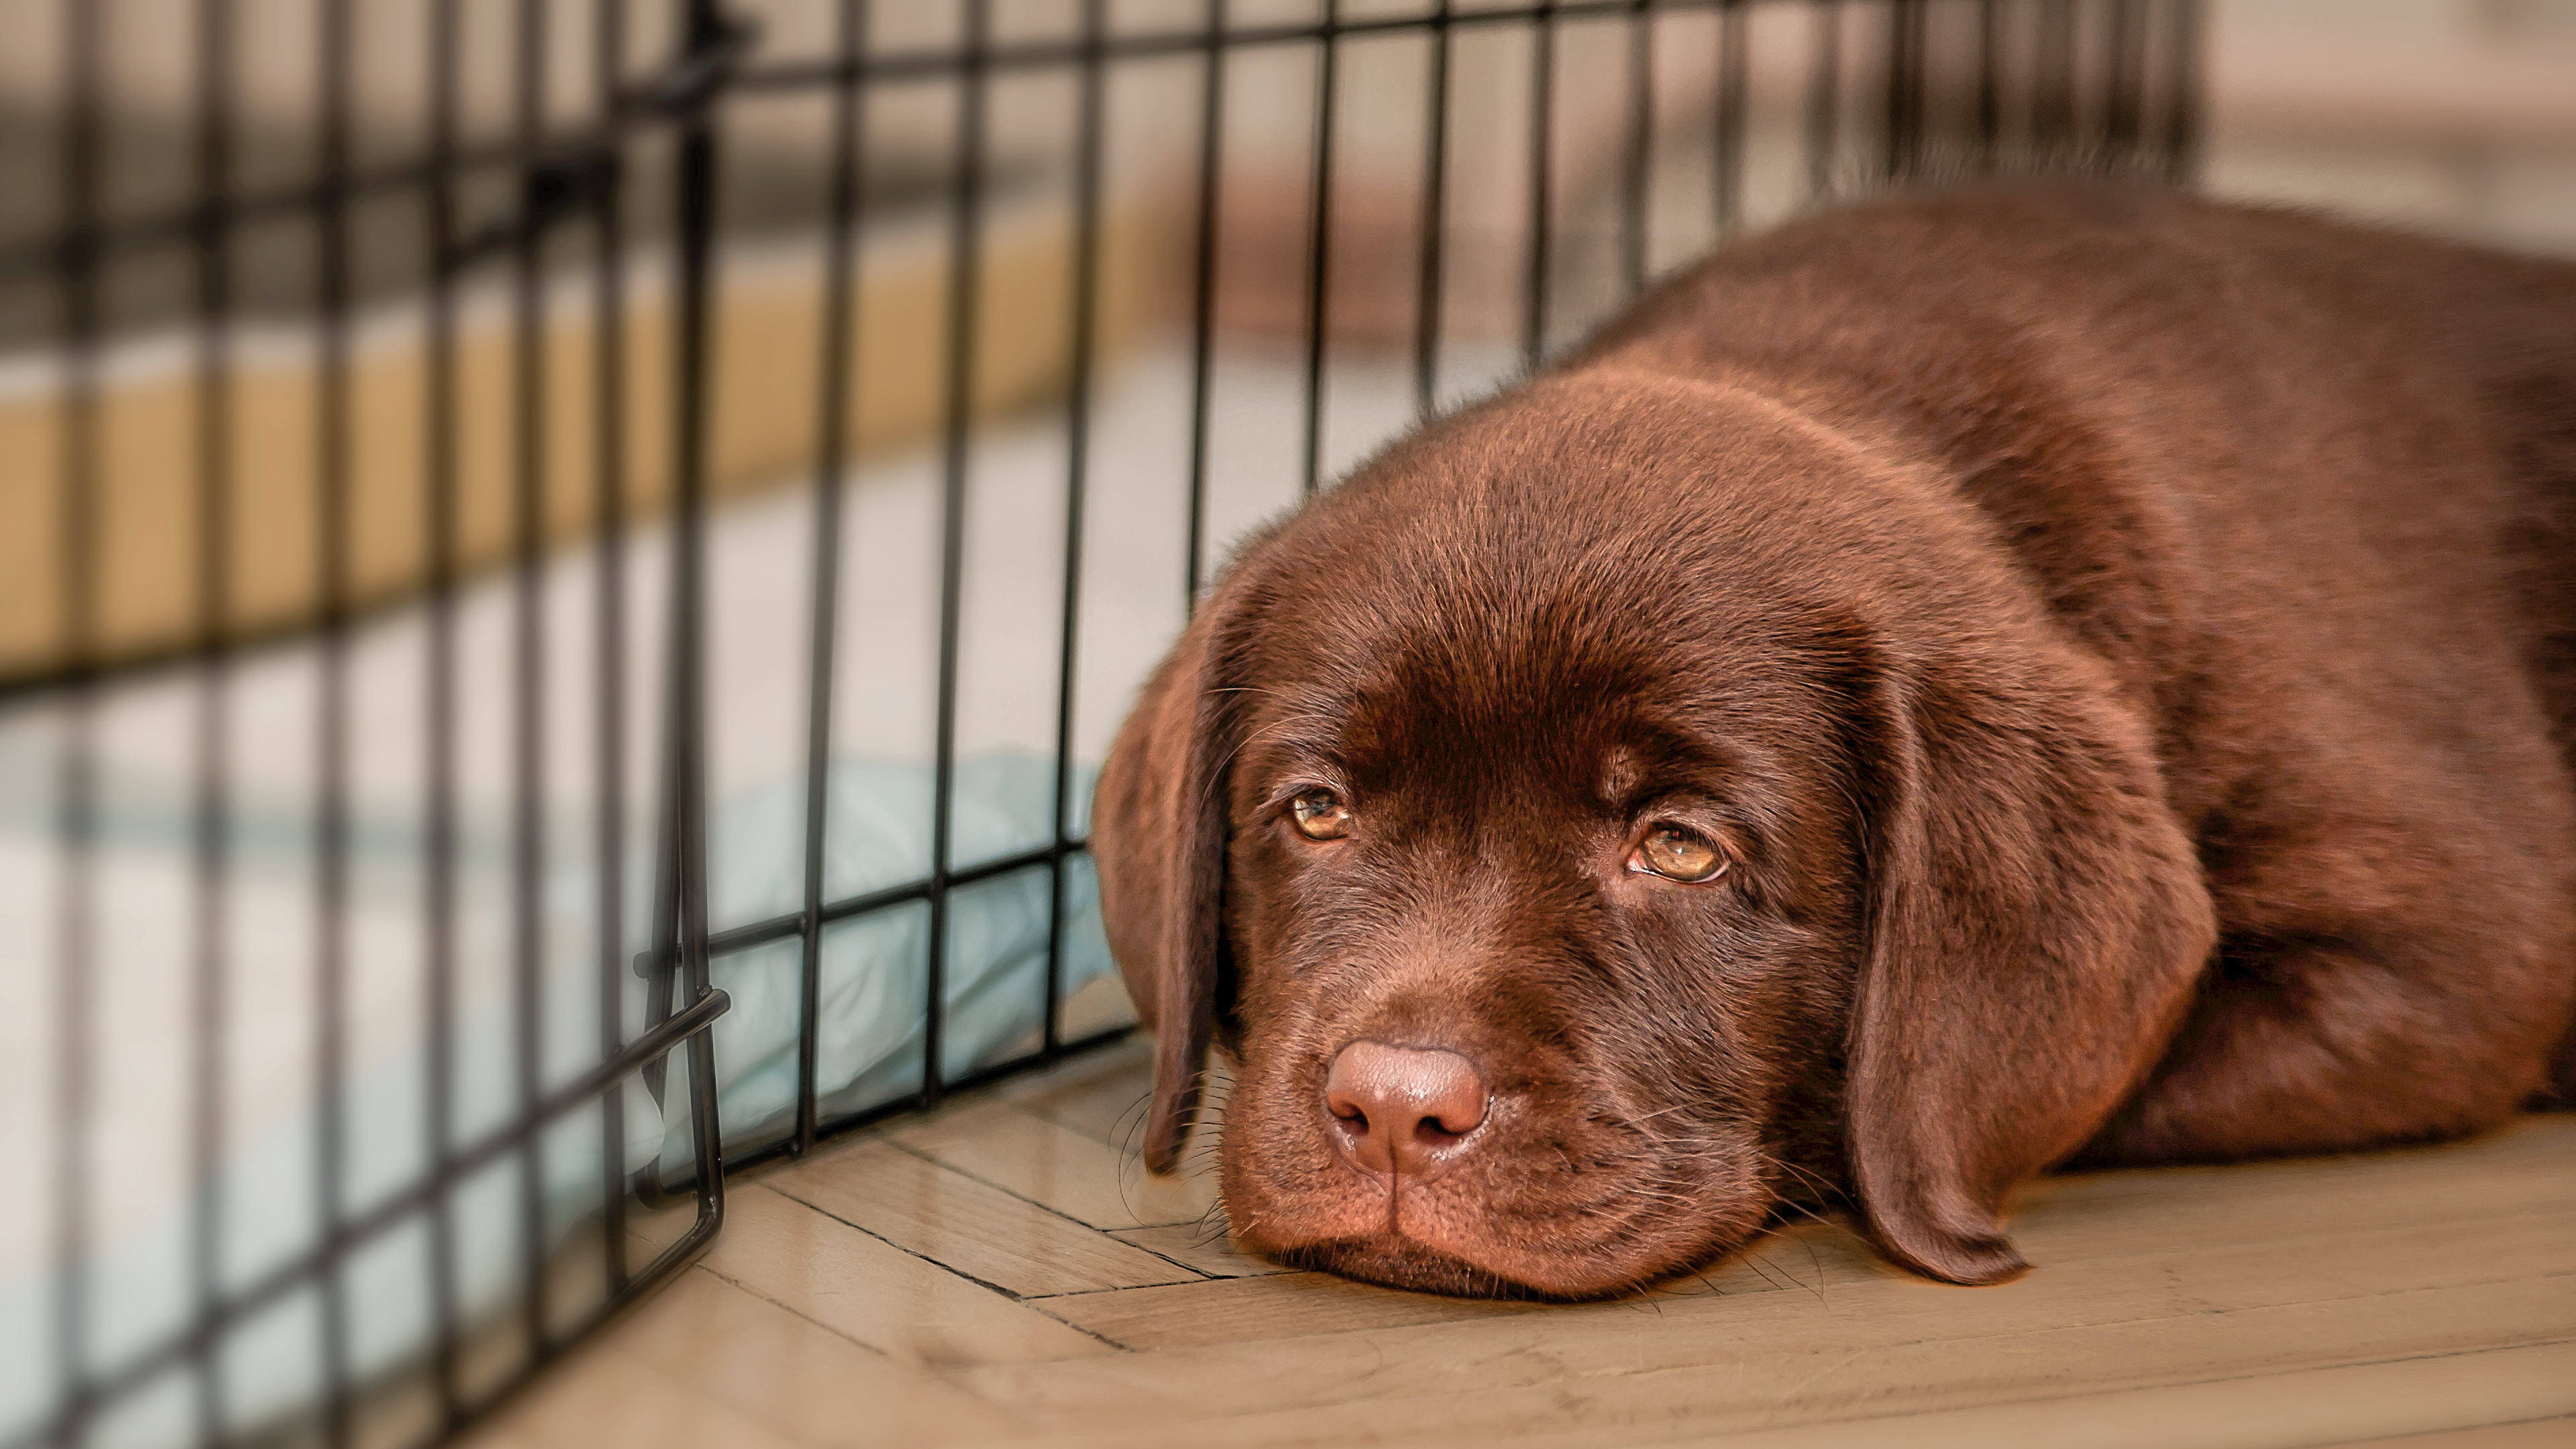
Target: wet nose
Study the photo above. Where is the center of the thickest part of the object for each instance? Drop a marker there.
(1396, 1109)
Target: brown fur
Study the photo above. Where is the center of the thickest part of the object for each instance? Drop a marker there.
(2128, 646)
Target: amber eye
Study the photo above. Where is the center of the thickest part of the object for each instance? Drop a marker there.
(1320, 815)
(1677, 854)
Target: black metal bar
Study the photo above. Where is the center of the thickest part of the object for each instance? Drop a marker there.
(80, 152)
(1435, 218)
(333, 539)
(831, 445)
(1904, 118)
(1203, 314)
(2183, 100)
(2124, 81)
(1542, 208)
(709, 42)
(1733, 57)
(1989, 97)
(210, 918)
(708, 34)
(528, 669)
(439, 540)
(608, 640)
(965, 265)
(694, 197)
(2052, 85)
(1637, 151)
(1824, 97)
(1088, 142)
(1319, 252)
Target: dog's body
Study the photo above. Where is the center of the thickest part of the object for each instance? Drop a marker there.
(2118, 652)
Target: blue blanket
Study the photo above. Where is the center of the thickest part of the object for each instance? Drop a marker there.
(137, 1292)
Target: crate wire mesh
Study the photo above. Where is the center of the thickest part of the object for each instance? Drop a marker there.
(488, 541)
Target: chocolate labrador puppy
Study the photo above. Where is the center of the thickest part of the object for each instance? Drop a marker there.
(1943, 689)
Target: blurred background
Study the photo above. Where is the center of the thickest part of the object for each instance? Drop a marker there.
(426, 569)
(2457, 116)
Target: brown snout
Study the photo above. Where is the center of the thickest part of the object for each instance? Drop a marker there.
(1399, 1111)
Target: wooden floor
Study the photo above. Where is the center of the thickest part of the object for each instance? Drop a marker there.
(1003, 1273)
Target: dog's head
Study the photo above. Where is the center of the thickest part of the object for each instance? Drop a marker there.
(1615, 807)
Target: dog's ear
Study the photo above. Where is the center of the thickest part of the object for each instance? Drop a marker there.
(2037, 921)
(1159, 833)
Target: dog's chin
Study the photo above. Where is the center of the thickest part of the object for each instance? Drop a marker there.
(1465, 1267)
(1403, 1263)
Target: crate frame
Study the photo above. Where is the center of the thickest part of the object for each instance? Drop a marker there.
(2146, 117)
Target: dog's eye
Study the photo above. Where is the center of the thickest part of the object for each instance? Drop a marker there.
(1320, 815)
(1677, 854)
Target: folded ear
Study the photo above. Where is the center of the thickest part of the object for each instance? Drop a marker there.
(2038, 919)
(1159, 833)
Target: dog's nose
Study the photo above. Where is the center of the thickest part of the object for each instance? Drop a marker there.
(1395, 1109)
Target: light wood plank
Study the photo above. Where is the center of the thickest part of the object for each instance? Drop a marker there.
(974, 1228)
(1288, 1305)
(1201, 1246)
(599, 1397)
(1101, 1094)
(2522, 1169)
(2368, 1296)
(1057, 1167)
(794, 1377)
(904, 1306)
(2273, 1411)
(1524, 1392)
(2556, 1432)
(1097, 1006)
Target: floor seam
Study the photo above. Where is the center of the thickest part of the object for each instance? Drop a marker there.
(946, 1166)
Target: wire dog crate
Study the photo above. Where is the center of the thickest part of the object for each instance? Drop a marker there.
(385, 387)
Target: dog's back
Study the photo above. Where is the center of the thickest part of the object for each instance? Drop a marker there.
(2114, 374)
(2310, 490)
